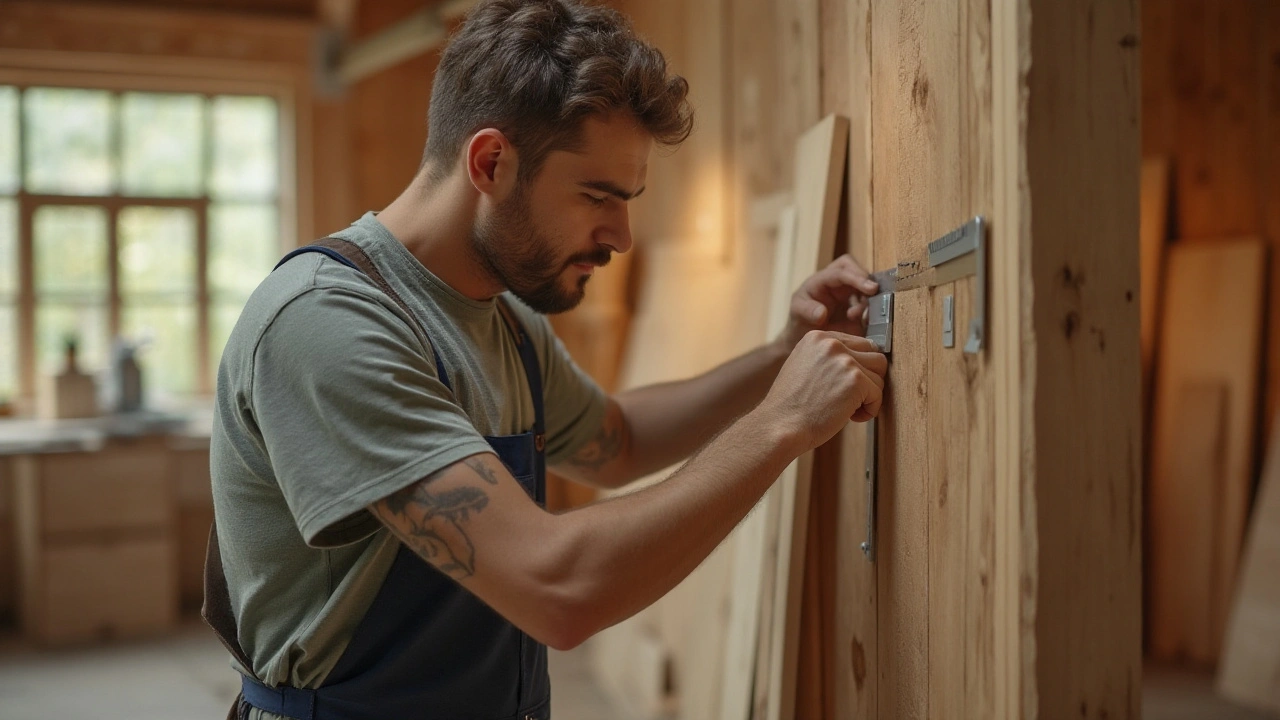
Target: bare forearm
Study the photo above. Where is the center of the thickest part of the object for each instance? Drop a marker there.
(668, 421)
(627, 552)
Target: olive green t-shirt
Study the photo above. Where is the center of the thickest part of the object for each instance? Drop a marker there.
(327, 401)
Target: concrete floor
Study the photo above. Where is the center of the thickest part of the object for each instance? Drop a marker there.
(186, 675)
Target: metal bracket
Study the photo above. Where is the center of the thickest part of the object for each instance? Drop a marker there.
(949, 321)
(880, 311)
(880, 332)
(964, 240)
(977, 326)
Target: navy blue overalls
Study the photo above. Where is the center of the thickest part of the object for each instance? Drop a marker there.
(427, 649)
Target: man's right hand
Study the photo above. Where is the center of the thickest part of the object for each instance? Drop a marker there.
(829, 379)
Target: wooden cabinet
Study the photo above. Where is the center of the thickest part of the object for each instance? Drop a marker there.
(97, 542)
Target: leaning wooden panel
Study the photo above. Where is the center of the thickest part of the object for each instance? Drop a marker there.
(755, 540)
(1250, 669)
(820, 161)
(1212, 334)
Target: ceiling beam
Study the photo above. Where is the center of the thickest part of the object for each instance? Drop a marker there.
(421, 32)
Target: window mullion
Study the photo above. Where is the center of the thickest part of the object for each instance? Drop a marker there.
(204, 381)
(113, 273)
(26, 300)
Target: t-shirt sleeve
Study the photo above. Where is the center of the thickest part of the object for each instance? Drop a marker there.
(575, 404)
(350, 410)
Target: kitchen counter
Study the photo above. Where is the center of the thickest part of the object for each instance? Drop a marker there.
(30, 436)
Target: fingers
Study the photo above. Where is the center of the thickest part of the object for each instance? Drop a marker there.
(855, 343)
(846, 270)
(842, 279)
(805, 306)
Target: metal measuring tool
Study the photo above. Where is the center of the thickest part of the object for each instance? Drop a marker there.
(959, 253)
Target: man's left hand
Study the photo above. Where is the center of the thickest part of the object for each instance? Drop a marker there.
(834, 298)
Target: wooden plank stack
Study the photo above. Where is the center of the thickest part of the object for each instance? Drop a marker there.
(1206, 399)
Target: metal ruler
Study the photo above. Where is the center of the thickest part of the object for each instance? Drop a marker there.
(960, 253)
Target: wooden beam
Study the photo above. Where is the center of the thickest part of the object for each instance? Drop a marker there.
(421, 32)
(1070, 244)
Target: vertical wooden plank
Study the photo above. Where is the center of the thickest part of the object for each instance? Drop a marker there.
(1081, 392)
(820, 162)
(903, 125)
(1269, 193)
(815, 691)
(846, 58)
(814, 687)
(948, 463)
(973, 372)
(1014, 551)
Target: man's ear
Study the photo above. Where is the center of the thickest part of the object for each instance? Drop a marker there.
(491, 163)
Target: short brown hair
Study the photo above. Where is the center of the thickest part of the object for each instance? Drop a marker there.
(536, 69)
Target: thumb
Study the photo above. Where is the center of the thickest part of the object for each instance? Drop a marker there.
(811, 310)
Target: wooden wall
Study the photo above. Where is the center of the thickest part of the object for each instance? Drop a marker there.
(1211, 103)
(1007, 579)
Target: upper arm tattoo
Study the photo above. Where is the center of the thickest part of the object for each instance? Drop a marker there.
(433, 523)
(607, 445)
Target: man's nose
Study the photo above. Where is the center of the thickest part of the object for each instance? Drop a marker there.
(617, 234)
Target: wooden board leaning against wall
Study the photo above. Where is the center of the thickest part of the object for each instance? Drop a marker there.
(1211, 104)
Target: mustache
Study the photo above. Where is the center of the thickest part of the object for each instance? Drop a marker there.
(600, 257)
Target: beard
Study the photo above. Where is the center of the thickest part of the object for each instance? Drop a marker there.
(525, 260)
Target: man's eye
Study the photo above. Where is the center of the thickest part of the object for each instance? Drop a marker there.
(597, 201)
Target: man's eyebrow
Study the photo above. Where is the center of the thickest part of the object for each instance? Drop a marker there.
(605, 186)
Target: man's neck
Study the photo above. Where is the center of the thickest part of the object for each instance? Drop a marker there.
(434, 221)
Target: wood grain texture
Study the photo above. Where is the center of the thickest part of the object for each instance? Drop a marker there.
(1083, 382)
(851, 643)
(815, 691)
(1201, 279)
(932, 116)
(1250, 668)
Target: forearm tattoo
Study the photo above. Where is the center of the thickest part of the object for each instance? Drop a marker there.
(433, 523)
(606, 446)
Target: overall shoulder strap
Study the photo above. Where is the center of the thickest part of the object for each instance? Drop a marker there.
(351, 255)
(532, 369)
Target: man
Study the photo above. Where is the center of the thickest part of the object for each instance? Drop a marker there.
(387, 404)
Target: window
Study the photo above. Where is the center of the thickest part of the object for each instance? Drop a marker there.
(147, 216)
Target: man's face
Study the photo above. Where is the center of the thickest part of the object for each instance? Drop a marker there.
(546, 238)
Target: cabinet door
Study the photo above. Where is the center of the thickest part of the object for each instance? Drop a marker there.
(106, 590)
(121, 487)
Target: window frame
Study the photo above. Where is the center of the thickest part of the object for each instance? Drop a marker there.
(124, 73)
